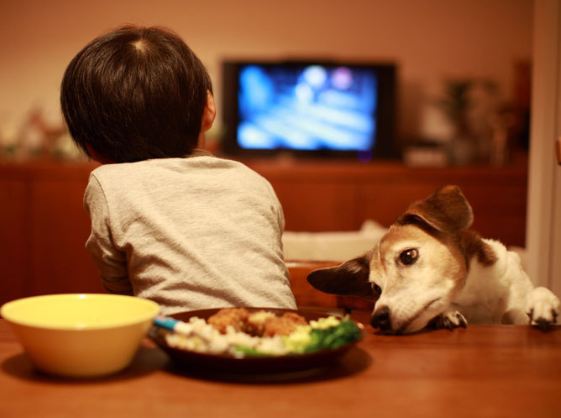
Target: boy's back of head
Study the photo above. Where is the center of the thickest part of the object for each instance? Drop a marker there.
(135, 94)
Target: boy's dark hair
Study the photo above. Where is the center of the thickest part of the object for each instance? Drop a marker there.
(135, 93)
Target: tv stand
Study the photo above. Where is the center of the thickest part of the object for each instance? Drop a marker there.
(338, 195)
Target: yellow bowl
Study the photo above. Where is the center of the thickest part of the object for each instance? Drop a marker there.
(80, 335)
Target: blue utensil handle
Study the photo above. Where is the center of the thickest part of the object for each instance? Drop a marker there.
(165, 322)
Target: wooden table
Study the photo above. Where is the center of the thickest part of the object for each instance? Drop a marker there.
(481, 371)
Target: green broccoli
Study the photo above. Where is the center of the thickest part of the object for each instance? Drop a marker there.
(334, 337)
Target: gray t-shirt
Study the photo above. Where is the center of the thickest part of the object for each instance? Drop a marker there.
(189, 233)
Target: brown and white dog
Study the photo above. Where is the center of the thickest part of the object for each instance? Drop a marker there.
(430, 269)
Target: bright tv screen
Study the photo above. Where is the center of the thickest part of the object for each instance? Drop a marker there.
(309, 108)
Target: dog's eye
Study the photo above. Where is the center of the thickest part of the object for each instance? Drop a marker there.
(408, 257)
(377, 289)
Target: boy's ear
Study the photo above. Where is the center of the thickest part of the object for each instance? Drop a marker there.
(209, 113)
(97, 157)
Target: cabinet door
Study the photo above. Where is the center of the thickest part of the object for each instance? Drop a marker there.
(394, 198)
(59, 229)
(316, 206)
(13, 239)
(498, 199)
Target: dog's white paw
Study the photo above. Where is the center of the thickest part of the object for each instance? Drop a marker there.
(542, 307)
(450, 320)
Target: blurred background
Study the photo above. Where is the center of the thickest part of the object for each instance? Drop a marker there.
(435, 43)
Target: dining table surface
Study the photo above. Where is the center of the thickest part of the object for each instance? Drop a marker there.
(479, 371)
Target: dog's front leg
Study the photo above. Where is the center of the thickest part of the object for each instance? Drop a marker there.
(449, 320)
(543, 307)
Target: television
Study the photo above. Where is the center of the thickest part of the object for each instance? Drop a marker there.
(309, 108)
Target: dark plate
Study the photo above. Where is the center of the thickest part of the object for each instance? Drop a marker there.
(222, 363)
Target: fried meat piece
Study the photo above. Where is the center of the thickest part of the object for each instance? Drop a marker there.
(256, 321)
(283, 325)
(259, 324)
(234, 317)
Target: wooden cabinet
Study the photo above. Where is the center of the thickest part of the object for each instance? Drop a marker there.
(43, 226)
(43, 229)
(340, 196)
(13, 238)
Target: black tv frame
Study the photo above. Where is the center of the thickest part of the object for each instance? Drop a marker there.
(385, 146)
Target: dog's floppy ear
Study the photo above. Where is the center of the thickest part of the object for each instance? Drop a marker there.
(446, 210)
(349, 278)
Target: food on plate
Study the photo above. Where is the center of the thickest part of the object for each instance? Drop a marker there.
(239, 333)
(258, 324)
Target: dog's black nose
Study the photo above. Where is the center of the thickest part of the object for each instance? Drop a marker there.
(382, 319)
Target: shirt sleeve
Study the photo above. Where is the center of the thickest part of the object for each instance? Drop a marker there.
(111, 262)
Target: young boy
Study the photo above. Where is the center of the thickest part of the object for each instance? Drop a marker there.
(170, 222)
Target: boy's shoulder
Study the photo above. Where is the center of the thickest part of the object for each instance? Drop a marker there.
(199, 165)
(177, 178)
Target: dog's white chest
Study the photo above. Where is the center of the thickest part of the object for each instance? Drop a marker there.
(492, 291)
(484, 298)
(480, 310)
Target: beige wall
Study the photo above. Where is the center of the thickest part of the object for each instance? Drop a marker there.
(429, 39)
